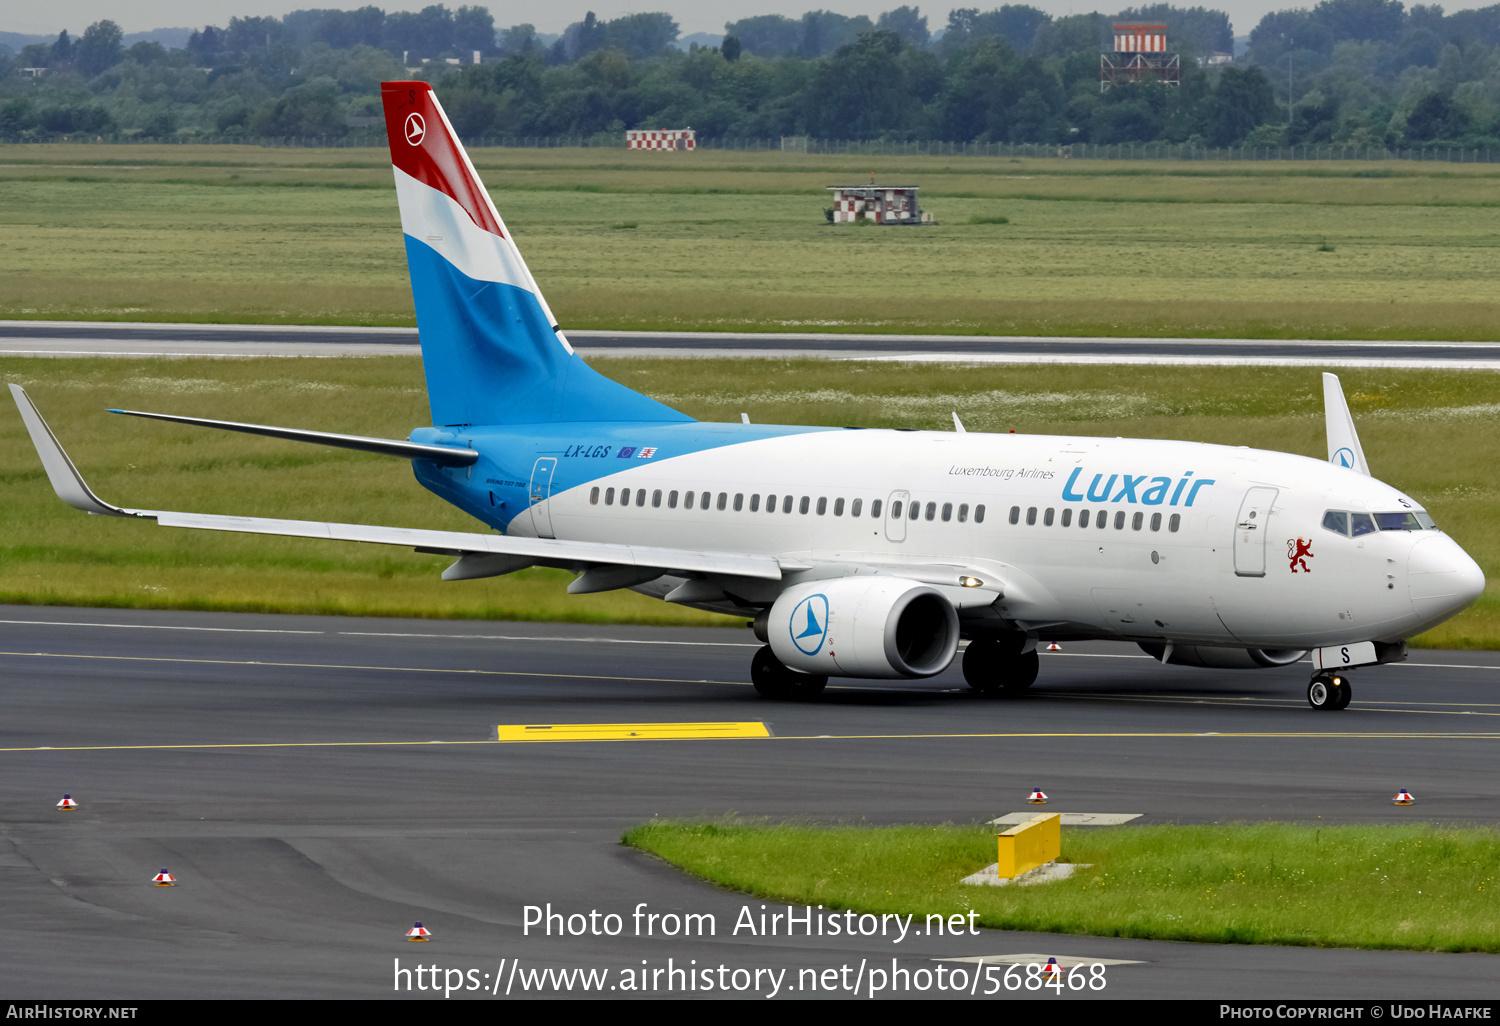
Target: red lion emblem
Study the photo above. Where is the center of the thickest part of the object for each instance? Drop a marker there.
(1299, 551)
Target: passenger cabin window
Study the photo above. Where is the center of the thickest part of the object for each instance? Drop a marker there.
(1047, 517)
(1031, 516)
(672, 499)
(931, 510)
(688, 500)
(822, 506)
(1015, 514)
(854, 507)
(1175, 522)
(624, 496)
(770, 503)
(963, 513)
(979, 514)
(723, 500)
(804, 505)
(640, 496)
(838, 507)
(1137, 521)
(896, 510)
(1083, 518)
(705, 499)
(786, 504)
(912, 510)
(739, 501)
(656, 499)
(755, 502)
(1067, 517)
(594, 497)
(1120, 520)
(1156, 521)
(874, 508)
(947, 512)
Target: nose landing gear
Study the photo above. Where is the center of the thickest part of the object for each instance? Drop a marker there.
(1329, 691)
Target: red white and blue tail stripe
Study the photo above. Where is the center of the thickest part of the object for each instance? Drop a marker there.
(491, 348)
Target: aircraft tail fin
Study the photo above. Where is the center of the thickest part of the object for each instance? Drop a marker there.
(1343, 441)
(492, 350)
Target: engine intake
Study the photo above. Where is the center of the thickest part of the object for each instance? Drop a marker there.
(876, 627)
(1222, 658)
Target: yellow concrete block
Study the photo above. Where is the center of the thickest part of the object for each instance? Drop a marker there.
(1027, 845)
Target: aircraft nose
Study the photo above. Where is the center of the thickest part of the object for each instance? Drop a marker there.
(1442, 578)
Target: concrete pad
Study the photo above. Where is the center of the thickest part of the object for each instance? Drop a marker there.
(990, 876)
(1072, 818)
(1029, 958)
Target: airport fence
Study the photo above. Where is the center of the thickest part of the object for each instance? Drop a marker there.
(861, 147)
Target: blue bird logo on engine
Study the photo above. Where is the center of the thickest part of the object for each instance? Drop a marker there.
(809, 624)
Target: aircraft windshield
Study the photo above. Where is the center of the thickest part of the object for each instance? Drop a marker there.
(1343, 522)
(1404, 521)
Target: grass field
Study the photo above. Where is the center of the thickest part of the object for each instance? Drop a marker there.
(1431, 433)
(726, 240)
(1410, 886)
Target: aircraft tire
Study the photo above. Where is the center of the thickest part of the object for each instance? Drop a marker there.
(1345, 692)
(774, 680)
(1323, 692)
(993, 667)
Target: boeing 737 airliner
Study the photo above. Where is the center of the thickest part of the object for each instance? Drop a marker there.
(858, 553)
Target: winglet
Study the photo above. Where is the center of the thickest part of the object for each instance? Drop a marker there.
(958, 425)
(66, 481)
(1343, 440)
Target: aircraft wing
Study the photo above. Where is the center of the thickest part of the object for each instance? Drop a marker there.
(514, 553)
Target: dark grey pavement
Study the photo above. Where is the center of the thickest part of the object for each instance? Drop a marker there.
(318, 784)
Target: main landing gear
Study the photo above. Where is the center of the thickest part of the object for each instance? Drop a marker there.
(1000, 664)
(774, 679)
(1329, 691)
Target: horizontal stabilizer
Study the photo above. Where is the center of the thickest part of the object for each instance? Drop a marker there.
(440, 454)
(1343, 441)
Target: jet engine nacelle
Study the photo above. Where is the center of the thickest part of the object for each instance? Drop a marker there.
(1222, 658)
(883, 627)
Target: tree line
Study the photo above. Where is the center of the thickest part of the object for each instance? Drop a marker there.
(1356, 72)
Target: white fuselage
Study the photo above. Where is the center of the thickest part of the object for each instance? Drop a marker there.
(1224, 576)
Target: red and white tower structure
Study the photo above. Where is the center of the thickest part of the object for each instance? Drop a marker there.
(1140, 55)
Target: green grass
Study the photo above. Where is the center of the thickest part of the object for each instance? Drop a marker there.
(1417, 886)
(737, 241)
(989, 219)
(1430, 433)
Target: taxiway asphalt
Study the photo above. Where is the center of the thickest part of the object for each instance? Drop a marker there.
(318, 784)
(77, 338)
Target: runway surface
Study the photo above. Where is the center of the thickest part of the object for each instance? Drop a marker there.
(318, 784)
(57, 338)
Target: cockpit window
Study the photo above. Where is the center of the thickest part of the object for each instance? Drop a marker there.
(1346, 523)
(1399, 522)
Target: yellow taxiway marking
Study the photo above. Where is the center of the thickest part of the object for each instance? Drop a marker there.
(1018, 736)
(626, 731)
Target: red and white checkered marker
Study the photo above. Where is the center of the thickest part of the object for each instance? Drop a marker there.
(1054, 647)
(1037, 797)
(164, 879)
(1051, 971)
(67, 804)
(1403, 797)
(419, 933)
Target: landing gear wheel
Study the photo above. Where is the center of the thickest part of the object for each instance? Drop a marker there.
(995, 666)
(773, 679)
(1329, 692)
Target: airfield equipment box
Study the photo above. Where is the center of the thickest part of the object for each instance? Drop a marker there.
(883, 204)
